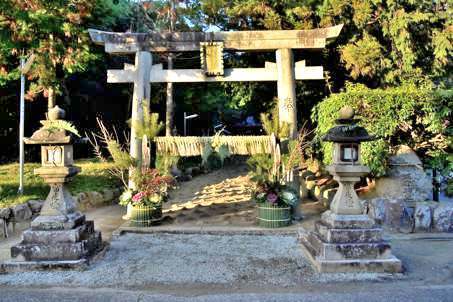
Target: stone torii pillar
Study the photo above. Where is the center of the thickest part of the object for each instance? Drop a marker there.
(142, 92)
(286, 89)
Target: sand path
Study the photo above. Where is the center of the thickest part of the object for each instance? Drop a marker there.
(221, 197)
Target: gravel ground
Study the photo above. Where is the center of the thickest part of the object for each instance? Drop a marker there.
(143, 261)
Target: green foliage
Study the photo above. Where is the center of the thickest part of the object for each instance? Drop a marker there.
(56, 32)
(382, 42)
(449, 189)
(442, 48)
(417, 116)
(223, 152)
(56, 125)
(241, 94)
(158, 15)
(212, 159)
(110, 14)
(207, 152)
(413, 37)
(214, 154)
(93, 177)
(150, 126)
(269, 187)
(364, 57)
(165, 162)
(121, 158)
(272, 125)
(261, 166)
(293, 157)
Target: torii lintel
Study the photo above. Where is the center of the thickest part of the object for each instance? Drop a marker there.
(115, 42)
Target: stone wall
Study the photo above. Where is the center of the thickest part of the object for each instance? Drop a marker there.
(93, 199)
(405, 179)
(319, 187)
(30, 209)
(408, 217)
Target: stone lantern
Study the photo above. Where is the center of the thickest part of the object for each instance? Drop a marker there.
(345, 239)
(59, 237)
(347, 165)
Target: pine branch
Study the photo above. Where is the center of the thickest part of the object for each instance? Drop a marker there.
(57, 125)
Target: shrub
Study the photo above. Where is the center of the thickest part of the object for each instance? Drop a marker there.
(164, 162)
(417, 116)
(271, 124)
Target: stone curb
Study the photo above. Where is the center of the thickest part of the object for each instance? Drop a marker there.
(206, 230)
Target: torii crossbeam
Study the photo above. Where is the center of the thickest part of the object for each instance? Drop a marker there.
(123, 43)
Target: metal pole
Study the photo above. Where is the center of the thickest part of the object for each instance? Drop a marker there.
(21, 128)
(436, 185)
(185, 126)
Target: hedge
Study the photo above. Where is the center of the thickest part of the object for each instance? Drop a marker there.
(417, 116)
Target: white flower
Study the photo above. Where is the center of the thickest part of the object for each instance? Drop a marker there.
(289, 197)
(261, 196)
(126, 196)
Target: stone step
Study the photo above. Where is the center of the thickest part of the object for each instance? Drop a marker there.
(11, 266)
(81, 232)
(342, 251)
(57, 250)
(390, 265)
(62, 222)
(308, 246)
(331, 235)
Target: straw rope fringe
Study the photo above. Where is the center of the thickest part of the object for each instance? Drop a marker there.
(194, 145)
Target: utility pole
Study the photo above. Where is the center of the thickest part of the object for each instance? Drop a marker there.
(24, 68)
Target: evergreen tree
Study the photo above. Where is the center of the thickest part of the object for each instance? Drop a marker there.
(56, 32)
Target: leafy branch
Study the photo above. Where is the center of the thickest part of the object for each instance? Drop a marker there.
(57, 125)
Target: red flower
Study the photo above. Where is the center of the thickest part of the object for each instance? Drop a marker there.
(138, 197)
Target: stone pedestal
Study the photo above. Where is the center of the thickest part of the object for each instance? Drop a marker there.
(348, 243)
(66, 241)
(73, 241)
(56, 242)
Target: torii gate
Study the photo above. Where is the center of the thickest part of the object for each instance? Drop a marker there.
(284, 71)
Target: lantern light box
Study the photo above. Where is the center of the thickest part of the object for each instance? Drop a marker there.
(57, 155)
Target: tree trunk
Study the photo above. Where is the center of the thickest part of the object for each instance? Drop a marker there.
(50, 98)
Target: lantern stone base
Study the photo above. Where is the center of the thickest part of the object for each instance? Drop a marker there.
(58, 222)
(12, 266)
(348, 243)
(53, 243)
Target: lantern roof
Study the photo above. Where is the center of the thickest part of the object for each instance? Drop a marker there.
(52, 131)
(47, 137)
(347, 130)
